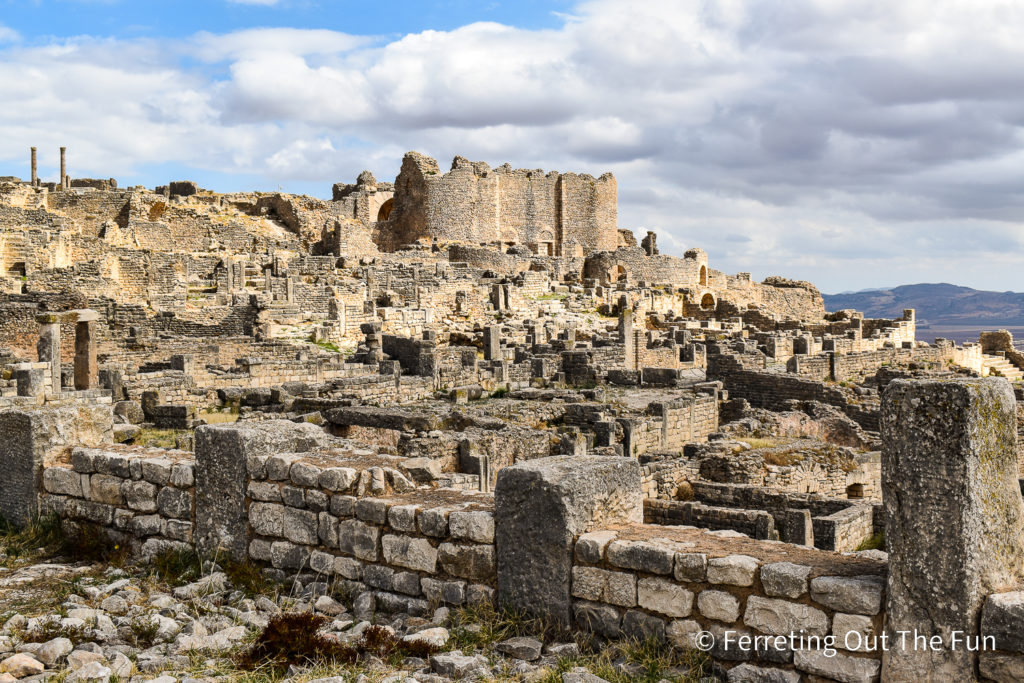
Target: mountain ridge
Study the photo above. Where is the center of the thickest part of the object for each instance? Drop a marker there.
(936, 303)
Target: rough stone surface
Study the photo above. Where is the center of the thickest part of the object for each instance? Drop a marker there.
(954, 516)
(573, 495)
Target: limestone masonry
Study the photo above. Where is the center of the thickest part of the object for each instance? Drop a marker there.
(474, 386)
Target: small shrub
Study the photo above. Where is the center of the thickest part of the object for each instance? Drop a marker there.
(295, 639)
(177, 567)
(684, 491)
(143, 630)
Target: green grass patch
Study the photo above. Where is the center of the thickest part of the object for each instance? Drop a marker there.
(158, 438)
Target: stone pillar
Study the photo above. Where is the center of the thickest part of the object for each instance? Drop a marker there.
(540, 508)
(30, 435)
(35, 174)
(227, 457)
(86, 368)
(48, 349)
(31, 380)
(492, 342)
(63, 167)
(954, 517)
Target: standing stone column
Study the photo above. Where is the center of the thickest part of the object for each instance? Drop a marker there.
(954, 517)
(492, 342)
(63, 167)
(48, 349)
(86, 368)
(35, 174)
(540, 508)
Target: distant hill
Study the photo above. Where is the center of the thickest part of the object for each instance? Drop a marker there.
(936, 304)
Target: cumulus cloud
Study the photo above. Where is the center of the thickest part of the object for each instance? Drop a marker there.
(851, 143)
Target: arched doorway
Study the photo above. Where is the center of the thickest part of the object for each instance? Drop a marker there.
(704, 276)
(618, 274)
(385, 210)
(707, 302)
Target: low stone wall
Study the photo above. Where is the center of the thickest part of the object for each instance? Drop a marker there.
(808, 615)
(145, 497)
(410, 550)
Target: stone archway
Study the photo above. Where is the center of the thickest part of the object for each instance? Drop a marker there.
(385, 210)
(618, 273)
(707, 302)
(703, 276)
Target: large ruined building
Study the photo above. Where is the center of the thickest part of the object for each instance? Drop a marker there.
(476, 386)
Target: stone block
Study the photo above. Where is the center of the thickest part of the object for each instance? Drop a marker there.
(954, 519)
(403, 517)
(781, 617)
(359, 539)
(106, 489)
(643, 556)
(223, 453)
(734, 570)
(473, 562)
(603, 620)
(1003, 617)
(784, 579)
(692, 567)
(853, 594)
(140, 496)
(838, 667)
(476, 526)
(719, 605)
(572, 495)
(601, 585)
(409, 552)
(664, 596)
(590, 547)
(174, 503)
(62, 481)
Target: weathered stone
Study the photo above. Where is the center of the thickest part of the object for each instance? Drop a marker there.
(1001, 667)
(748, 673)
(664, 596)
(338, 479)
(784, 579)
(590, 547)
(457, 666)
(691, 567)
(1003, 618)
(644, 556)
(473, 562)
(476, 526)
(52, 651)
(106, 489)
(603, 620)
(372, 510)
(681, 633)
(573, 495)
(140, 496)
(403, 517)
(434, 522)
(434, 637)
(300, 526)
(527, 649)
(601, 585)
(174, 503)
(409, 552)
(719, 605)
(856, 594)
(221, 472)
(359, 539)
(839, 667)
(642, 626)
(954, 519)
(853, 631)
(781, 617)
(734, 570)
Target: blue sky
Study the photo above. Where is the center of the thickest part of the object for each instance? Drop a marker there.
(855, 144)
(45, 19)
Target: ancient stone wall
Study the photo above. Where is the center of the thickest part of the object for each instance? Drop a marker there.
(549, 213)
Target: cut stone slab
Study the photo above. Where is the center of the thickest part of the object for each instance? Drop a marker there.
(573, 495)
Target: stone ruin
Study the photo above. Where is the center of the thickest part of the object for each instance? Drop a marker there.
(475, 387)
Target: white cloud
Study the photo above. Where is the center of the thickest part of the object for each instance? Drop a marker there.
(8, 35)
(843, 142)
(264, 3)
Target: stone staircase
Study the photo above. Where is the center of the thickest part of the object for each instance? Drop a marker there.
(997, 365)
